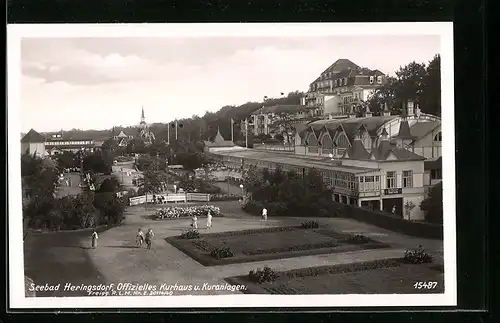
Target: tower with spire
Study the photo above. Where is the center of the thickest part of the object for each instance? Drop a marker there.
(143, 119)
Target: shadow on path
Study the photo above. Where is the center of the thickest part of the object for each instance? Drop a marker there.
(60, 258)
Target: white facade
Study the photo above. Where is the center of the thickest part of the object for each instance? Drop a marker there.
(37, 148)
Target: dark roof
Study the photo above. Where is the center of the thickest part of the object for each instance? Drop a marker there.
(404, 131)
(341, 64)
(357, 151)
(385, 148)
(33, 137)
(282, 109)
(421, 129)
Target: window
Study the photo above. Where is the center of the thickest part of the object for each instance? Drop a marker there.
(371, 79)
(407, 178)
(438, 137)
(379, 79)
(345, 80)
(436, 174)
(391, 179)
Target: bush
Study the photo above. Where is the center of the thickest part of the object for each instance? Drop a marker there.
(309, 225)
(358, 239)
(225, 197)
(191, 234)
(260, 276)
(417, 256)
(390, 222)
(221, 253)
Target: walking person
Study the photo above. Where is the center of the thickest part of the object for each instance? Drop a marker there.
(94, 239)
(149, 238)
(140, 238)
(209, 220)
(194, 223)
(264, 214)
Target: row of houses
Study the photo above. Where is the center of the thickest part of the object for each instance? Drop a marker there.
(339, 91)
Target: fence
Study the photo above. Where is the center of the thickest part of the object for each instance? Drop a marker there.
(178, 197)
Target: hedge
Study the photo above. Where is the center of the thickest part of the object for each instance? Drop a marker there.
(391, 222)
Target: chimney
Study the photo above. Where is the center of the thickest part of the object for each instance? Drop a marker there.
(410, 108)
(368, 113)
(386, 112)
(418, 111)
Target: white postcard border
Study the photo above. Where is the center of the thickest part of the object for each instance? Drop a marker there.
(16, 263)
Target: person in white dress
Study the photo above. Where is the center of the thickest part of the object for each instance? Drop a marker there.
(264, 214)
(94, 239)
(140, 237)
(194, 223)
(209, 220)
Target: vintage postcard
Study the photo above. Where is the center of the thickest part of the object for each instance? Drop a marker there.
(231, 165)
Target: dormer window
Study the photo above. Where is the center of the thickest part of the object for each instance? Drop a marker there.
(371, 79)
(379, 79)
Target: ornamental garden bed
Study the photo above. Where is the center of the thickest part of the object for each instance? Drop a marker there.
(266, 244)
(176, 212)
(388, 276)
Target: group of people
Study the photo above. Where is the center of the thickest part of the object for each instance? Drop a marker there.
(147, 238)
(194, 221)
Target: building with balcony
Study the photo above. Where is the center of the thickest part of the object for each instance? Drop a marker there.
(264, 121)
(341, 87)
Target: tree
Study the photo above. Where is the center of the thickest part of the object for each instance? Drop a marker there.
(385, 94)
(409, 206)
(136, 146)
(283, 125)
(109, 185)
(111, 207)
(97, 163)
(431, 93)
(410, 82)
(433, 204)
(67, 160)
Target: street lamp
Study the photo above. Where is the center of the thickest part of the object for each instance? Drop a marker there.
(242, 195)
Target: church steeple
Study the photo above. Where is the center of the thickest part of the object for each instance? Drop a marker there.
(143, 119)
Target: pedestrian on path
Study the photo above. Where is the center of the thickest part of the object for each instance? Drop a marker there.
(194, 222)
(149, 238)
(209, 220)
(140, 237)
(264, 214)
(94, 239)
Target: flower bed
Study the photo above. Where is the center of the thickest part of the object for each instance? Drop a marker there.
(174, 212)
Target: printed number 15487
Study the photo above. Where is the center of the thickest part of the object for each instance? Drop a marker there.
(425, 285)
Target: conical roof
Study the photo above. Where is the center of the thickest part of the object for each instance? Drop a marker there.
(218, 137)
(33, 137)
(357, 150)
(404, 130)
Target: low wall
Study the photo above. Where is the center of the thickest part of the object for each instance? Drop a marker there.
(178, 197)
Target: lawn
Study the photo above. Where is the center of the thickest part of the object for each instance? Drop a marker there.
(390, 276)
(269, 243)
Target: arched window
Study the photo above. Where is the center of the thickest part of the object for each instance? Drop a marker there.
(327, 144)
(342, 141)
(438, 137)
(312, 143)
(367, 140)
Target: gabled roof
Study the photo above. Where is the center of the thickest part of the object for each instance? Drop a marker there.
(357, 151)
(386, 150)
(340, 65)
(33, 137)
(404, 131)
(122, 135)
(420, 129)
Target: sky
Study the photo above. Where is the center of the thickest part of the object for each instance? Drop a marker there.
(98, 83)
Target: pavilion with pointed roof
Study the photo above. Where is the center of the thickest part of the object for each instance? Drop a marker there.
(218, 142)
